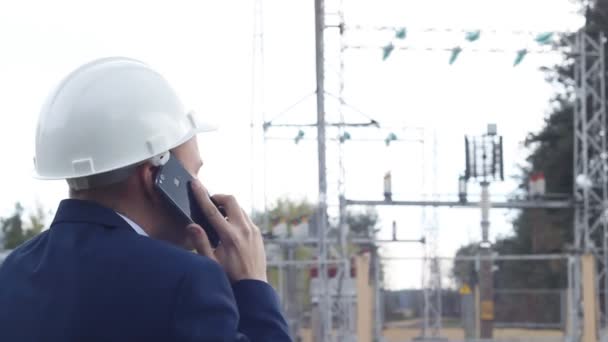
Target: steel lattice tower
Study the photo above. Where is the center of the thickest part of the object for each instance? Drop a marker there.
(590, 165)
(431, 325)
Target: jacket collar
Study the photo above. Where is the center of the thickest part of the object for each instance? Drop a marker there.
(73, 210)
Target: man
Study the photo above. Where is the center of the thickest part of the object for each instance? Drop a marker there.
(117, 264)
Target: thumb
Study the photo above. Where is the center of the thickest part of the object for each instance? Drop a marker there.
(200, 241)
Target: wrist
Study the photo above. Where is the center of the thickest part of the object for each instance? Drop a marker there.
(250, 277)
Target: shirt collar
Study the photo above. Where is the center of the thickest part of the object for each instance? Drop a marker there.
(133, 225)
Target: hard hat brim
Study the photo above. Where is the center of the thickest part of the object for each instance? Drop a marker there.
(201, 127)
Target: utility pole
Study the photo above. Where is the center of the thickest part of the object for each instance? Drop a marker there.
(486, 286)
(484, 162)
(378, 304)
(325, 309)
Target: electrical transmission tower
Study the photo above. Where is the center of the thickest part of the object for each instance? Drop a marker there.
(590, 173)
(590, 199)
(431, 325)
(346, 304)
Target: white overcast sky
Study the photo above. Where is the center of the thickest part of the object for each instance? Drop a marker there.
(205, 48)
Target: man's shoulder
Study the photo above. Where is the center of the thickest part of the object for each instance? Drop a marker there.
(122, 248)
(24, 249)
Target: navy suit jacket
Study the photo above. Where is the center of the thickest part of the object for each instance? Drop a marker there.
(91, 277)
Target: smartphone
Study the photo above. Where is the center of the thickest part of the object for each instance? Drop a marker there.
(173, 181)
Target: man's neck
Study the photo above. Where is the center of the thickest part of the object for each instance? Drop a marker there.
(124, 206)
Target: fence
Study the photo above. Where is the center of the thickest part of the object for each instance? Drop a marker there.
(530, 302)
(531, 299)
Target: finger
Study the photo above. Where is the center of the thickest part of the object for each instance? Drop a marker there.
(254, 228)
(200, 241)
(231, 207)
(212, 214)
(247, 218)
(220, 254)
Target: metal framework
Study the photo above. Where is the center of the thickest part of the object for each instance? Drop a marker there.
(590, 165)
(345, 304)
(431, 325)
(590, 190)
(520, 204)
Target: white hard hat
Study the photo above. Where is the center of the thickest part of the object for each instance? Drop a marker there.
(107, 115)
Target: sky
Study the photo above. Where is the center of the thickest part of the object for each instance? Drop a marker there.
(207, 51)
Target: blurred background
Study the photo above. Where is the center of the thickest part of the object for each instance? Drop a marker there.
(422, 170)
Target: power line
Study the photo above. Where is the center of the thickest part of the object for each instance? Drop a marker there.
(290, 107)
(340, 140)
(372, 123)
(347, 105)
(492, 31)
(451, 49)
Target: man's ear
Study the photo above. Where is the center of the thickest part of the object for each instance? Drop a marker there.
(145, 174)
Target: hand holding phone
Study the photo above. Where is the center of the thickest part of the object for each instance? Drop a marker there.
(241, 252)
